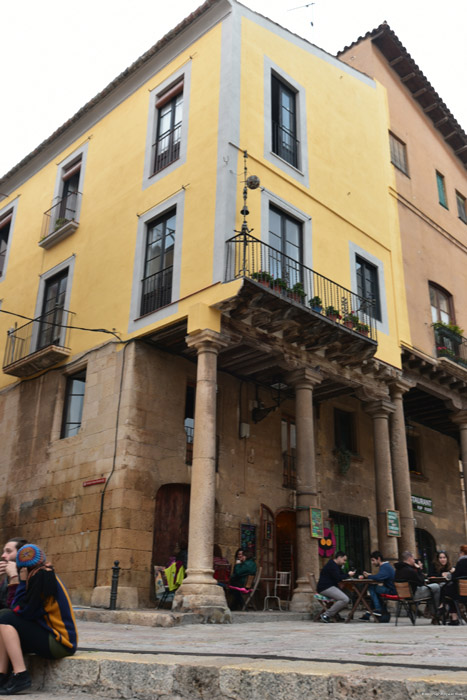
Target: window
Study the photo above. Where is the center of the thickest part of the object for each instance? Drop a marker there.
(53, 315)
(353, 537)
(284, 122)
(285, 237)
(73, 409)
(441, 304)
(158, 265)
(461, 207)
(368, 285)
(189, 422)
(441, 190)
(169, 108)
(413, 451)
(344, 431)
(66, 209)
(289, 449)
(398, 153)
(5, 225)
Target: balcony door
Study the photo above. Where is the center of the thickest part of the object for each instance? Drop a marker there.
(285, 239)
(52, 315)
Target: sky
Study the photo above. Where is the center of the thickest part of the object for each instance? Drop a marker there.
(55, 55)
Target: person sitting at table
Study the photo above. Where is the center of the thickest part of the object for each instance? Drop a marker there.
(442, 566)
(385, 579)
(329, 579)
(450, 589)
(409, 570)
(245, 566)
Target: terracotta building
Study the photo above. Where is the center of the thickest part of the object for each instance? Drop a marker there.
(209, 345)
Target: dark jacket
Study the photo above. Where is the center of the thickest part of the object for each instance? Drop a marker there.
(241, 572)
(405, 572)
(385, 575)
(331, 575)
(461, 568)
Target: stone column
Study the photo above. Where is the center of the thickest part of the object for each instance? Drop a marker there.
(199, 592)
(380, 411)
(461, 419)
(400, 468)
(303, 382)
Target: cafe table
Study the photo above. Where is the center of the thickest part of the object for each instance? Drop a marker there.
(360, 587)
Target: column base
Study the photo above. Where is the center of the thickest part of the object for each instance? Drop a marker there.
(203, 599)
(302, 597)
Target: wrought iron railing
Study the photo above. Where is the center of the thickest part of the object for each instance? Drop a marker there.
(450, 344)
(284, 144)
(157, 290)
(167, 148)
(49, 329)
(249, 257)
(60, 214)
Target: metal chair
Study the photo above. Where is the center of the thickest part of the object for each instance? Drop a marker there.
(454, 599)
(323, 600)
(282, 581)
(406, 600)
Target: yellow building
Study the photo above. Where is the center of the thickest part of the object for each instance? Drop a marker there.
(146, 275)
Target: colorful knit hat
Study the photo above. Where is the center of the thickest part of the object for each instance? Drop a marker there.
(30, 555)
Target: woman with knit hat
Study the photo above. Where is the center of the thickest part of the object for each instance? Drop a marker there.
(41, 620)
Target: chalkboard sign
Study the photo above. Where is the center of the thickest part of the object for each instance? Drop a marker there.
(248, 538)
(316, 522)
(393, 523)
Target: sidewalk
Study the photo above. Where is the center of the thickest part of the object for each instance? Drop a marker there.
(273, 660)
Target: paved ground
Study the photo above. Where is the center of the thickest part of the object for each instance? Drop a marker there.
(280, 659)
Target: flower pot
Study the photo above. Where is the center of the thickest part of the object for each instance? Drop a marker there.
(363, 331)
(348, 324)
(333, 317)
(318, 309)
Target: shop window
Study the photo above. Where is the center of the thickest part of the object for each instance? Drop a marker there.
(352, 535)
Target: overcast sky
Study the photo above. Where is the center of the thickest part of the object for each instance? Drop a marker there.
(55, 55)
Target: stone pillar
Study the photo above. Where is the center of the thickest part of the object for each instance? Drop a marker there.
(461, 419)
(307, 558)
(199, 592)
(400, 468)
(380, 411)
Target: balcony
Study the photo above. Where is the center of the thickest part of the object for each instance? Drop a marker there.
(283, 296)
(38, 345)
(60, 220)
(450, 345)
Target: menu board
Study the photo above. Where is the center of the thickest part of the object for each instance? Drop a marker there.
(393, 523)
(316, 522)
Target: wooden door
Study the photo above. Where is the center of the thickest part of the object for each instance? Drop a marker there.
(171, 521)
(285, 541)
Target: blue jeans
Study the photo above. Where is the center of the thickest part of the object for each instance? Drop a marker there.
(374, 592)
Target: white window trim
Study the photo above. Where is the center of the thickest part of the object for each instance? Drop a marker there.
(70, 264)
(355, 251)
(301, 173)
(137, 322)
(150, 178)
(62, 166)
(268, 198)
(6, 210)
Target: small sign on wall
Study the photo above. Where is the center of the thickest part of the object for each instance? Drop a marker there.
(423, 505)
(93, 482)
(316, 522)
(393, 523)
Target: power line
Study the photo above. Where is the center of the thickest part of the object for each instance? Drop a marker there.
(62, 325)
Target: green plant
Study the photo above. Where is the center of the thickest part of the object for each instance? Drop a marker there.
(262, 276)
(453, 327)
(350, 317)
(315, 301)
(298, 289)
(363, 328)
(332, 311)
(278, 282)
(61, 221)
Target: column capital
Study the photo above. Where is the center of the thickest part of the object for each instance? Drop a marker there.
(304, 378)
(460, 418)
(207, 341)
(399, 387)
(380, 409)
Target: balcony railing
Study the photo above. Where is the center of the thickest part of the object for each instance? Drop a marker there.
(249, 257)
(167, 148)
(157, 291)
(38, 344)
(284, 144)
(60, 220)
(451, 345)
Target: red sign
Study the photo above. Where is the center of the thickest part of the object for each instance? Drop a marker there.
(92, 482)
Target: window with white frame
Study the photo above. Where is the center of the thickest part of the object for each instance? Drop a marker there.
(52, 312)
(158, 263)
(73, 405)
(368, 285)
(169, 108)
(284, 121)
(5, 226)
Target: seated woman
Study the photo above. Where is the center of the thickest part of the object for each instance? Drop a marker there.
(450, 589)
(442, 566)
(245, 567)
(41, 620)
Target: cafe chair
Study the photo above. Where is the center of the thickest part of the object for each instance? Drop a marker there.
(322, 599)
(282, 581)
(461, 593)
(249, 590)
(406, 600)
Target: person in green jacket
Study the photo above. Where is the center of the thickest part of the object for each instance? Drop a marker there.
(246, 567)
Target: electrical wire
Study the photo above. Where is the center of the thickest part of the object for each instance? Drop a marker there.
(62, 325)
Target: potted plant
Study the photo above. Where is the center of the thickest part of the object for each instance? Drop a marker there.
(316, 304)
(262, 277)
(443, 351)
(363, 328)
(298, 292)
(61, 221)
(453, 327)
(351, 320)
(332, 313)
(279, 285)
